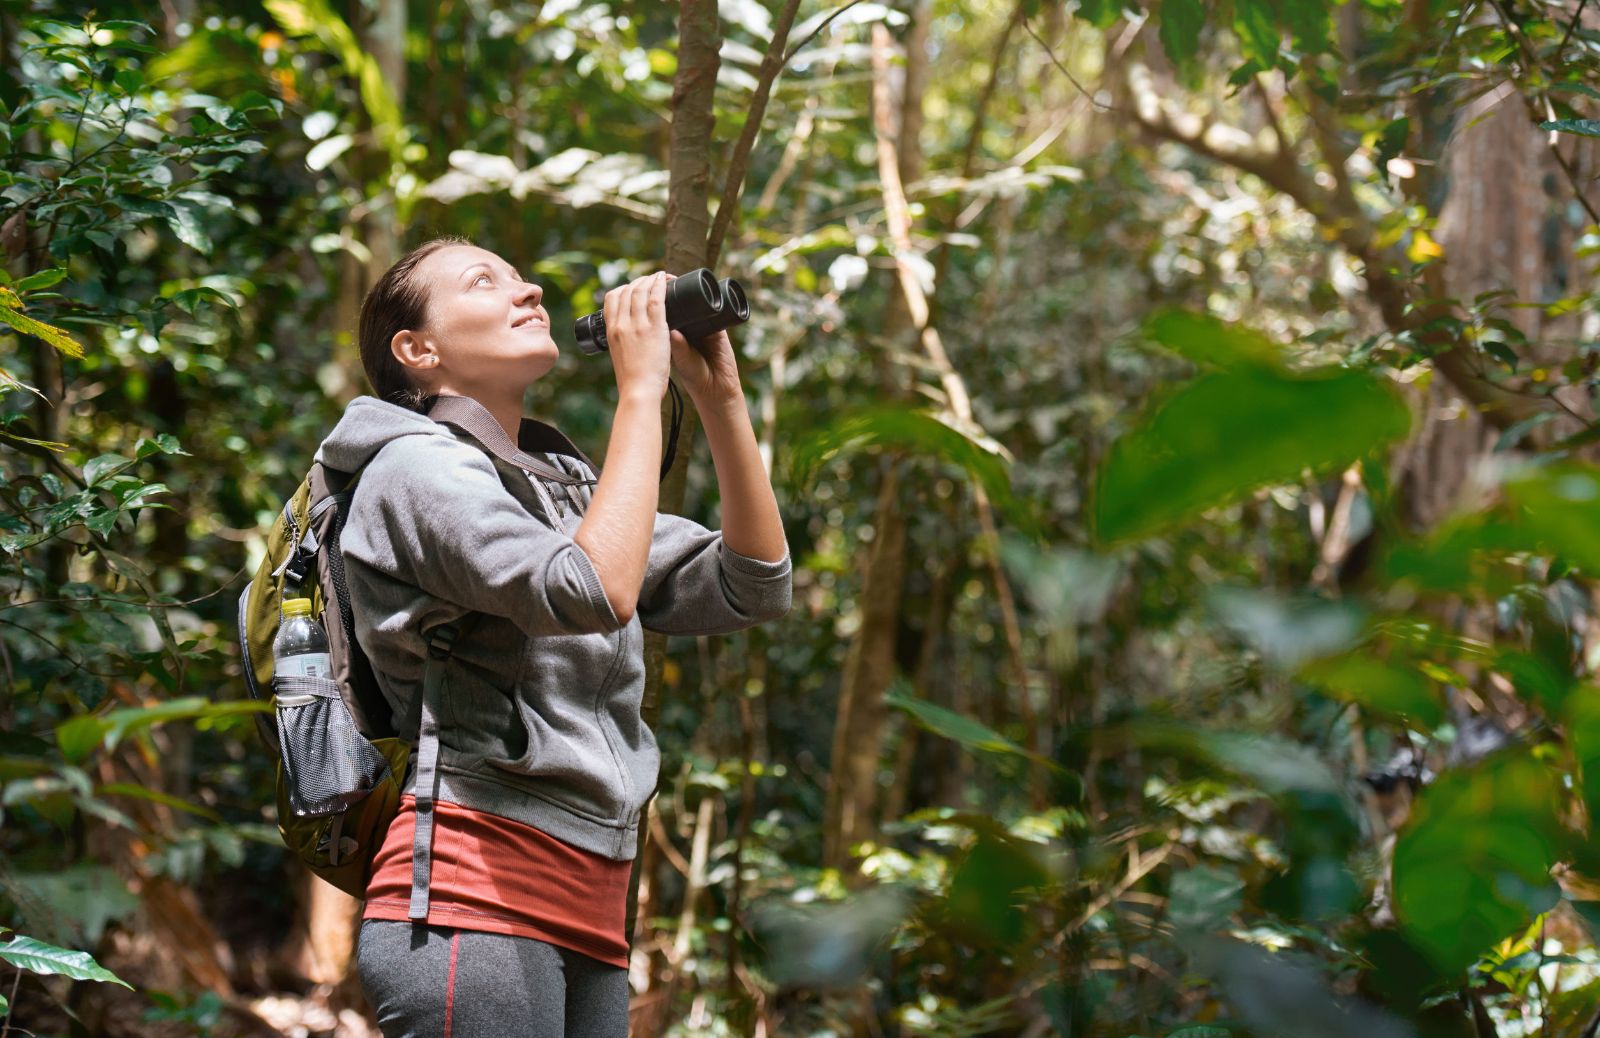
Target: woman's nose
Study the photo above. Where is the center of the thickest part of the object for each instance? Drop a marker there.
(529, 288)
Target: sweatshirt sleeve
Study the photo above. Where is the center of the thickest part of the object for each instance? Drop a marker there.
(431, 511)
(695, 584)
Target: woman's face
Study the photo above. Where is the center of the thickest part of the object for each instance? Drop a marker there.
(485, 324)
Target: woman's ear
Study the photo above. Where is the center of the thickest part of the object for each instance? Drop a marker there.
(410, 350)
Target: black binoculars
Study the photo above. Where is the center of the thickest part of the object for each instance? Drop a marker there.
(697, 305)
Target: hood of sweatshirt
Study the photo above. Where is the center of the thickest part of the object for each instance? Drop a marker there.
(366, 425)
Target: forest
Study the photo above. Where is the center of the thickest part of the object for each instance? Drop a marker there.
(1182, 413)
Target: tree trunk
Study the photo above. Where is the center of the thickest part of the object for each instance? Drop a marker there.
(688, 221)
(858, 735)
(1490, 229)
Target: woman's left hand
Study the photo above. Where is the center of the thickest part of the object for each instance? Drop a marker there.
(708, 371)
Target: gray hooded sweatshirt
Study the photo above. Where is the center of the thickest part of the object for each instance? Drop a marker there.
(540, 720)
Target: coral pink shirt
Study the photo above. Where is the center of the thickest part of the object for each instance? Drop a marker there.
(498, 876)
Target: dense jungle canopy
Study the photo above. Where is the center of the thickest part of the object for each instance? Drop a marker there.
(1182, 412)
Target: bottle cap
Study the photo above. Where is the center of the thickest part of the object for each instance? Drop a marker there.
(297, 607)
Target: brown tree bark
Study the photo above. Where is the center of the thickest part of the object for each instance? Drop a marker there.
(687, 223)
(852, 804)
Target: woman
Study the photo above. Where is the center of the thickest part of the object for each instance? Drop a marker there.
(514, 923)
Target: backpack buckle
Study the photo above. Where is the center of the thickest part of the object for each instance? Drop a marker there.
(442, 640)
(294, 570)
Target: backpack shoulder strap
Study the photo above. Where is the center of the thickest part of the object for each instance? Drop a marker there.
(441, 643)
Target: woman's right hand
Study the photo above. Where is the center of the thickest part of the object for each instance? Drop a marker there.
(636, 328)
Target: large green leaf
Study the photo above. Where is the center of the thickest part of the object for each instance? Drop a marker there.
(1473, 864)
(1391, 688)
(968, 731)
(1582, 727)
(39, 957)
(918, 431)
(1271, 763)
(1549, 510)
(988, 888)
(1228, 433)
(81, 735)
(1559, 507)
(1206, 340)
(82, 899)
(1102, 14)
(1310, 24)
(1181, 21)
(1256, 24)
(60, 339)
(1580, 127)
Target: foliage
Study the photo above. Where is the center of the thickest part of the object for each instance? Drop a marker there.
(1226, 732)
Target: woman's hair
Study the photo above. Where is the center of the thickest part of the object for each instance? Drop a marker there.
(399, 301)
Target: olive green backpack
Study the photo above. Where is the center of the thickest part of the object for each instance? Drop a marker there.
(341, 765)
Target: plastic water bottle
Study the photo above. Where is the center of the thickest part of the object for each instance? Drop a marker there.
(300, 649)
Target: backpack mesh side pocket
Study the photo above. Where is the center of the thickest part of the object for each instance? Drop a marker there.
(328, 764)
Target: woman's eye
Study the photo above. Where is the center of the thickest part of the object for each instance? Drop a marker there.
(480, 277)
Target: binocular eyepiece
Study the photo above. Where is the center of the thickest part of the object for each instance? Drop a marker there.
(697, 305)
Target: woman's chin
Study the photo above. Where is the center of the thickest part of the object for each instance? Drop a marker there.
(539, 363)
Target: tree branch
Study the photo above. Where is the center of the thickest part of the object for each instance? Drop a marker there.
(739, 159)
(1425, 320)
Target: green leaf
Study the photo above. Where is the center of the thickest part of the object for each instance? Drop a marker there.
(1559, 507)
(1273, 764)
(968, 731)
(987, 891)
(1203, 897)
(85, 897)
(83, 734)
(1473, 864)
(1181, 21)
(56, 337)
(1580, 127)
(1582, 725)
(1206, 340)
(1102, 14)
(892, 425)
(1310, 24)
(1501, 352)
(185, 223)
(1393, 689)
(128, 789)
(1226, 434)
(1392, 140)
(161, 443)
(38, 957)
(1259, 40)
(43, 279)
(79, 736)
(1287, 631)
(102, 466)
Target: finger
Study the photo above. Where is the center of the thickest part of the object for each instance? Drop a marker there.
(656, 305)
(639, 301)
(613, 307)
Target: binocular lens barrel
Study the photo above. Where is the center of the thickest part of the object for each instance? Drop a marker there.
(697, 305)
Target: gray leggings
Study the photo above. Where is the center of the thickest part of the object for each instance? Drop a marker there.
(443, 982)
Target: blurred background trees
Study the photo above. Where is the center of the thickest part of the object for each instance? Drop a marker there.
(1183, 417)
